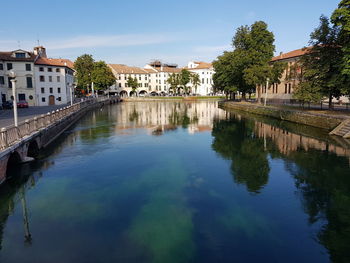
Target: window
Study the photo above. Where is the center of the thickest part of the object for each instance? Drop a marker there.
(28, 67)
(120, 85)
(41, 78)
(50, 78)
(59, 98)
(49, 69)
(57, 70)
(58, 78)
(202, 80)
(20, 55)
(43, 99)
(1, 66)
(2, 80)
(120, 77)
(42, 90)
(285, 88)
(41, 69)
(276, 88)
(10, 83)
(9, 66)
(140, 78)
(31, 97)
(29, 82)
(289, 88)
(51, 90)
(21, 96)
(58, 90)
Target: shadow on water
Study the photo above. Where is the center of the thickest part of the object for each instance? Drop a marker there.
(318, 164)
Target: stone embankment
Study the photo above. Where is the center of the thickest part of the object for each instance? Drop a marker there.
(319, 120)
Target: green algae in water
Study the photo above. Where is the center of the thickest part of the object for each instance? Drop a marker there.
(164, 224)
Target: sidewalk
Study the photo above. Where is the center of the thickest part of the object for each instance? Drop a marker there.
(6, 116)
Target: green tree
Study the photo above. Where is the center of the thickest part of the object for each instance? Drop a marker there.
(322, 63)
(195, 80)
(257, 50)
(341, 18)
(225, 76)
(173, 81)
(133, 83)
(84, 65)
(102, 76)
(184, 79)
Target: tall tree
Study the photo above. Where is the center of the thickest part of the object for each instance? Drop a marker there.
(341, 18)
(322, 63)
(184, 79)
(195, 80)
(84, 65)
(258, 50)
(102, 76)
(173, 81)
(133, 83)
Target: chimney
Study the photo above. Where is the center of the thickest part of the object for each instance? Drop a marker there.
(41, 51)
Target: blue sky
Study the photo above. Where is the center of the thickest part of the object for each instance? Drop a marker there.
(134, 32)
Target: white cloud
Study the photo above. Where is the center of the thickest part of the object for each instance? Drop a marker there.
(109, 41)
(92, 41)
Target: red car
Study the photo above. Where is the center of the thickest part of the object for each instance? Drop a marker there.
(22, 104)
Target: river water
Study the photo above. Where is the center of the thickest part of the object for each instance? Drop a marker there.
(180, 182)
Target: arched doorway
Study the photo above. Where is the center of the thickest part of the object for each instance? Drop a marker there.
(153, 93)
(142, 93)
(132, 93)
(51, 100)
(123, 94)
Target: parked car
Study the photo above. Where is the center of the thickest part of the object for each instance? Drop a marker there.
(7, 104)
(22, 104)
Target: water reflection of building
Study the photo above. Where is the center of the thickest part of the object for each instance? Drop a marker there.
(194, 116)
(288, 142)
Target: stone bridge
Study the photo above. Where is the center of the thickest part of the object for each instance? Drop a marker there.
(23, 143)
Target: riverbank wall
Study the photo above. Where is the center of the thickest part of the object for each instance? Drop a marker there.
(319, 120)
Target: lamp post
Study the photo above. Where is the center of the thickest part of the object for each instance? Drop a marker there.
(267, 85)
(13, 80)
(71, 93)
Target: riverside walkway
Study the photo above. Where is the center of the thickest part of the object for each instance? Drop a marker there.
(23, 143)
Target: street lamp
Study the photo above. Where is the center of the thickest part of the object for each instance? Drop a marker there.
(13, 80)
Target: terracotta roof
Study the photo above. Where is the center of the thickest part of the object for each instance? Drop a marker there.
(58, 62)
(7, 56)
(291, 54)
(169, 70)
(201, 65)
(123, 69)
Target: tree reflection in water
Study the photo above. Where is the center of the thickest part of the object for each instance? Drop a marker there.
(322, 176)
(236, 141)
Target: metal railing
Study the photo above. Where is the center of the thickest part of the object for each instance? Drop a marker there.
(12, 134)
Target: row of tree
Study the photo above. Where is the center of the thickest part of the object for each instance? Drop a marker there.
(324, 71)
(89, 71)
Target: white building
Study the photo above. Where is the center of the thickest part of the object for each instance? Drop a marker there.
(205, 72)
(22, 63)
(40, 81)
(54, 80)
(153, 78)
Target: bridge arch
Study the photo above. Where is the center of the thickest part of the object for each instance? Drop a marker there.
(33, 149)
(153, 93)
(13, 164)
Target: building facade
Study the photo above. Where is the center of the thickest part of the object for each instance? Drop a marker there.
(152, 78)
(35, 74)
(205, 72)
(22, 63)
